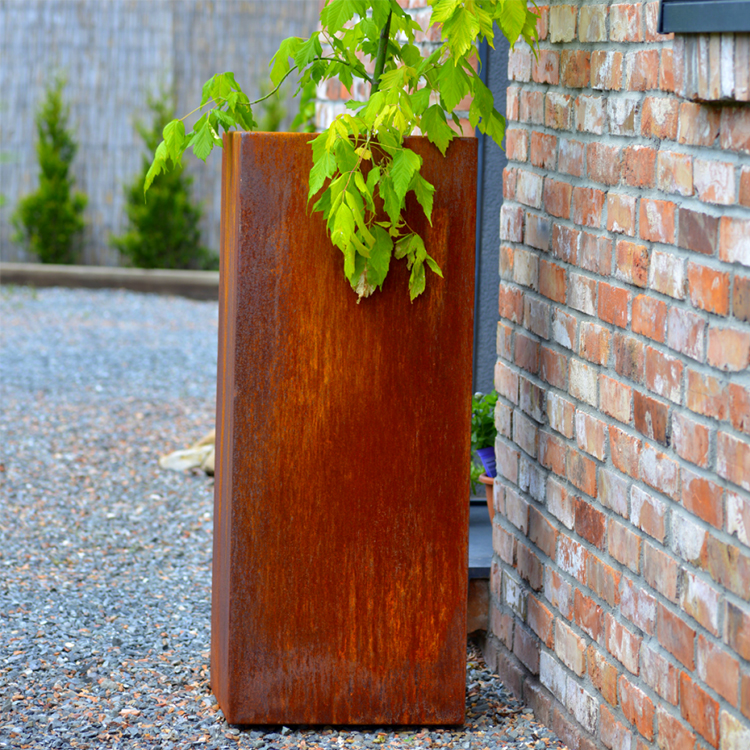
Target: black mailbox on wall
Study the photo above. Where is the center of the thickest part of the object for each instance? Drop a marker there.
(704, 16)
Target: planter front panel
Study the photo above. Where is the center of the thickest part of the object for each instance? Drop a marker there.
(341, 514)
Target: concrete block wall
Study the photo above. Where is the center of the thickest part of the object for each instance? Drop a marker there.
(620, 591)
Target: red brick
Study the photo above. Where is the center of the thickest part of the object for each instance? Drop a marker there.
(629, 357)
(565, 243)
(739, 408)
(728, 349)
(673, 734)
(557, 197)
(570, 648)
(667, 274)
(504, 340)
(657, 220)
(603, 675)
(686, 332)
(603, 163)
(540, 620)
(674, 173)
(542, 532)
(511, 103)
(706, 395)
(699, 709)
(663, 374)
(639, 166)
(613, 304)
(558, 592)
(624, 545)
(553, 368)
(506, 382)
(676, 636)
(529, 566)
(642, 70)
(545, 68)
(590, 114)
(659, 674)
(651, 417)
(718, 669)
(621, 114)
(504, 544)
(536, 316)
(666, 71)
(637, 707)
(564, 328)
(582, 293)
(603, 580)
(590, 523)
(531, 106)
(659, 118)
(509, 184)
(650, 317)
(638, 606)
(613, 492)
(526, 648)
(698, 231)
(734, 133)
(562, 23)
(648, 513)
(519, 65)
(709, 289)
(606, 70)
(571, 558)
(552, 453)
(511, 303)
(698, 124)
(517, 144)
(543, 150)
(582, 472)
(745, 694)
(660, 571)
(737, 630)
(537, 233)
(734, 240)
(622, 644)
(542, 24)
(527, 353)
(625, 450)
(507, 462)
(587, 206)
(575, 68)
(558, 110)
(690, 440)
(594, 342)
(744, 198)
(595, 254)
(529, 188)
(741, 302)
(659, 471)
(632, 263)
(511, 223)
(589, 616)
(615, 398)
(621, 213)
(571, 159)
(714, 181)
(729, 566)
(626, 23)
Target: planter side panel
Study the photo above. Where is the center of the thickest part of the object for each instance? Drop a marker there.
(345, 462)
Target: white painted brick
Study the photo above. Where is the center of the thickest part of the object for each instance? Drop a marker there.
(552, 676)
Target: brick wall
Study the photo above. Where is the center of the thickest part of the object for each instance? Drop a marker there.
(621, 575)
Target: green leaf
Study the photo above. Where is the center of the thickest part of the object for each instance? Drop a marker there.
(203, 141)
(324, 164)
(416, 281)
(434, 266)
(420, 100)
(339, 12)
(511, 17)
(207, 87)
(405, 164)
(308, 51)
(380, 257)
(174, 137)
(443, 10)
(424, 192)
(436, 128)
(454, 84)
(461, 30)
(157, 167)
(343, 227)
(280, 61)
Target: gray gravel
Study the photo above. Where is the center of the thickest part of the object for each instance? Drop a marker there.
(105, 559)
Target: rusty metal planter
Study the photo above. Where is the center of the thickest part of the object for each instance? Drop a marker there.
(341, 514)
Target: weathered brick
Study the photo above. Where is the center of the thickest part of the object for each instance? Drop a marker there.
(615, 398)
(691, 443)
(729, 566)
(589, 112)
(529, 188)
(621, 213)
(606, 70)
(667, 274)
(613, 492)
(705, 394)
(603, 580)
(622, 644)
(659, 674)
(541, 620)
(590, 434)
(570, 648)
(717, 669)
(517, 144)
(571, 557)
(659, 118)
(511, 103)
(536, 316)
(511, 223)
(525, 433)
(673, 734)
(650, 317)
(553, 676)
(614, 735)
(660, 571)
(542, 532)
(728, 349)
(663, 374)
(545, 67)
(626, 23)
(510, 301)
(735, 734)
(657, 220)
(734, 240)
(519, 64)
(698, 231)
(558, 111)
(571, 157)
(642, 70)
(603, 675)
(686, 333)
(639, 166)
(689, 540)
(674, 173)
(733, 459)
(557, 198)
(625, 451)
(621, 115)
(709, 288)
(659, 471)
(552, 453)
(587, 206)
(526, 648)
(648, 513)
(738, 517)
(590, 523)
(699, 709)
(506, 460)
(734, 130)
(666, 71)
(676, 636)
(737, 630)
(526, 268)
(558, 592)
(553, 368)
(529, 566)
(595, 254)
(531, 106)
(637, 707)
(698, 124)
(613, 304)
(638, 606)
(624, 545)
(506, 382)
(575, 68)
(564, 328)
(543, 150)
(562, 23)
(603, 163)
(583, 382)
(632, 263)
(592, 23)
(629, 357)
(714, 181)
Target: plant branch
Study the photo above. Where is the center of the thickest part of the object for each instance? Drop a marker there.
(385, 36)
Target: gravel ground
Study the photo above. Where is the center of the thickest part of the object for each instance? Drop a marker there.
(105, 559)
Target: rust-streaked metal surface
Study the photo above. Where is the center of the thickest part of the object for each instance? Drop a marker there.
(341, 514)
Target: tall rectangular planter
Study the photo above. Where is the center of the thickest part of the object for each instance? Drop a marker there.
(341, 499)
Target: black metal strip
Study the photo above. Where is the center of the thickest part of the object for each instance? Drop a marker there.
(704, 16)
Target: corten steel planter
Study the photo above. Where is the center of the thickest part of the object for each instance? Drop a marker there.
(341, 522)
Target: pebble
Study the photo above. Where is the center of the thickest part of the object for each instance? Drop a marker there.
(105, 559)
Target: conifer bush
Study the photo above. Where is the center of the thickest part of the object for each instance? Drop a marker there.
(49, 222)
(164, 230)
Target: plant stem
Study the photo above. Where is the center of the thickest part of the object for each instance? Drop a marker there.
(385, 35)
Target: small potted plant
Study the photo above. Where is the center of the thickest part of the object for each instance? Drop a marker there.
(483, 433)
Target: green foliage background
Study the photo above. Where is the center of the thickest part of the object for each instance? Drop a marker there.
(164, 230)
(49, 222)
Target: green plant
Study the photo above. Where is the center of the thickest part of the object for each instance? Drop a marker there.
(483, 430)
(49, 221)
(360, 162)
(304, 120)
(165, 231)
(475, 472)
(272, 110)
